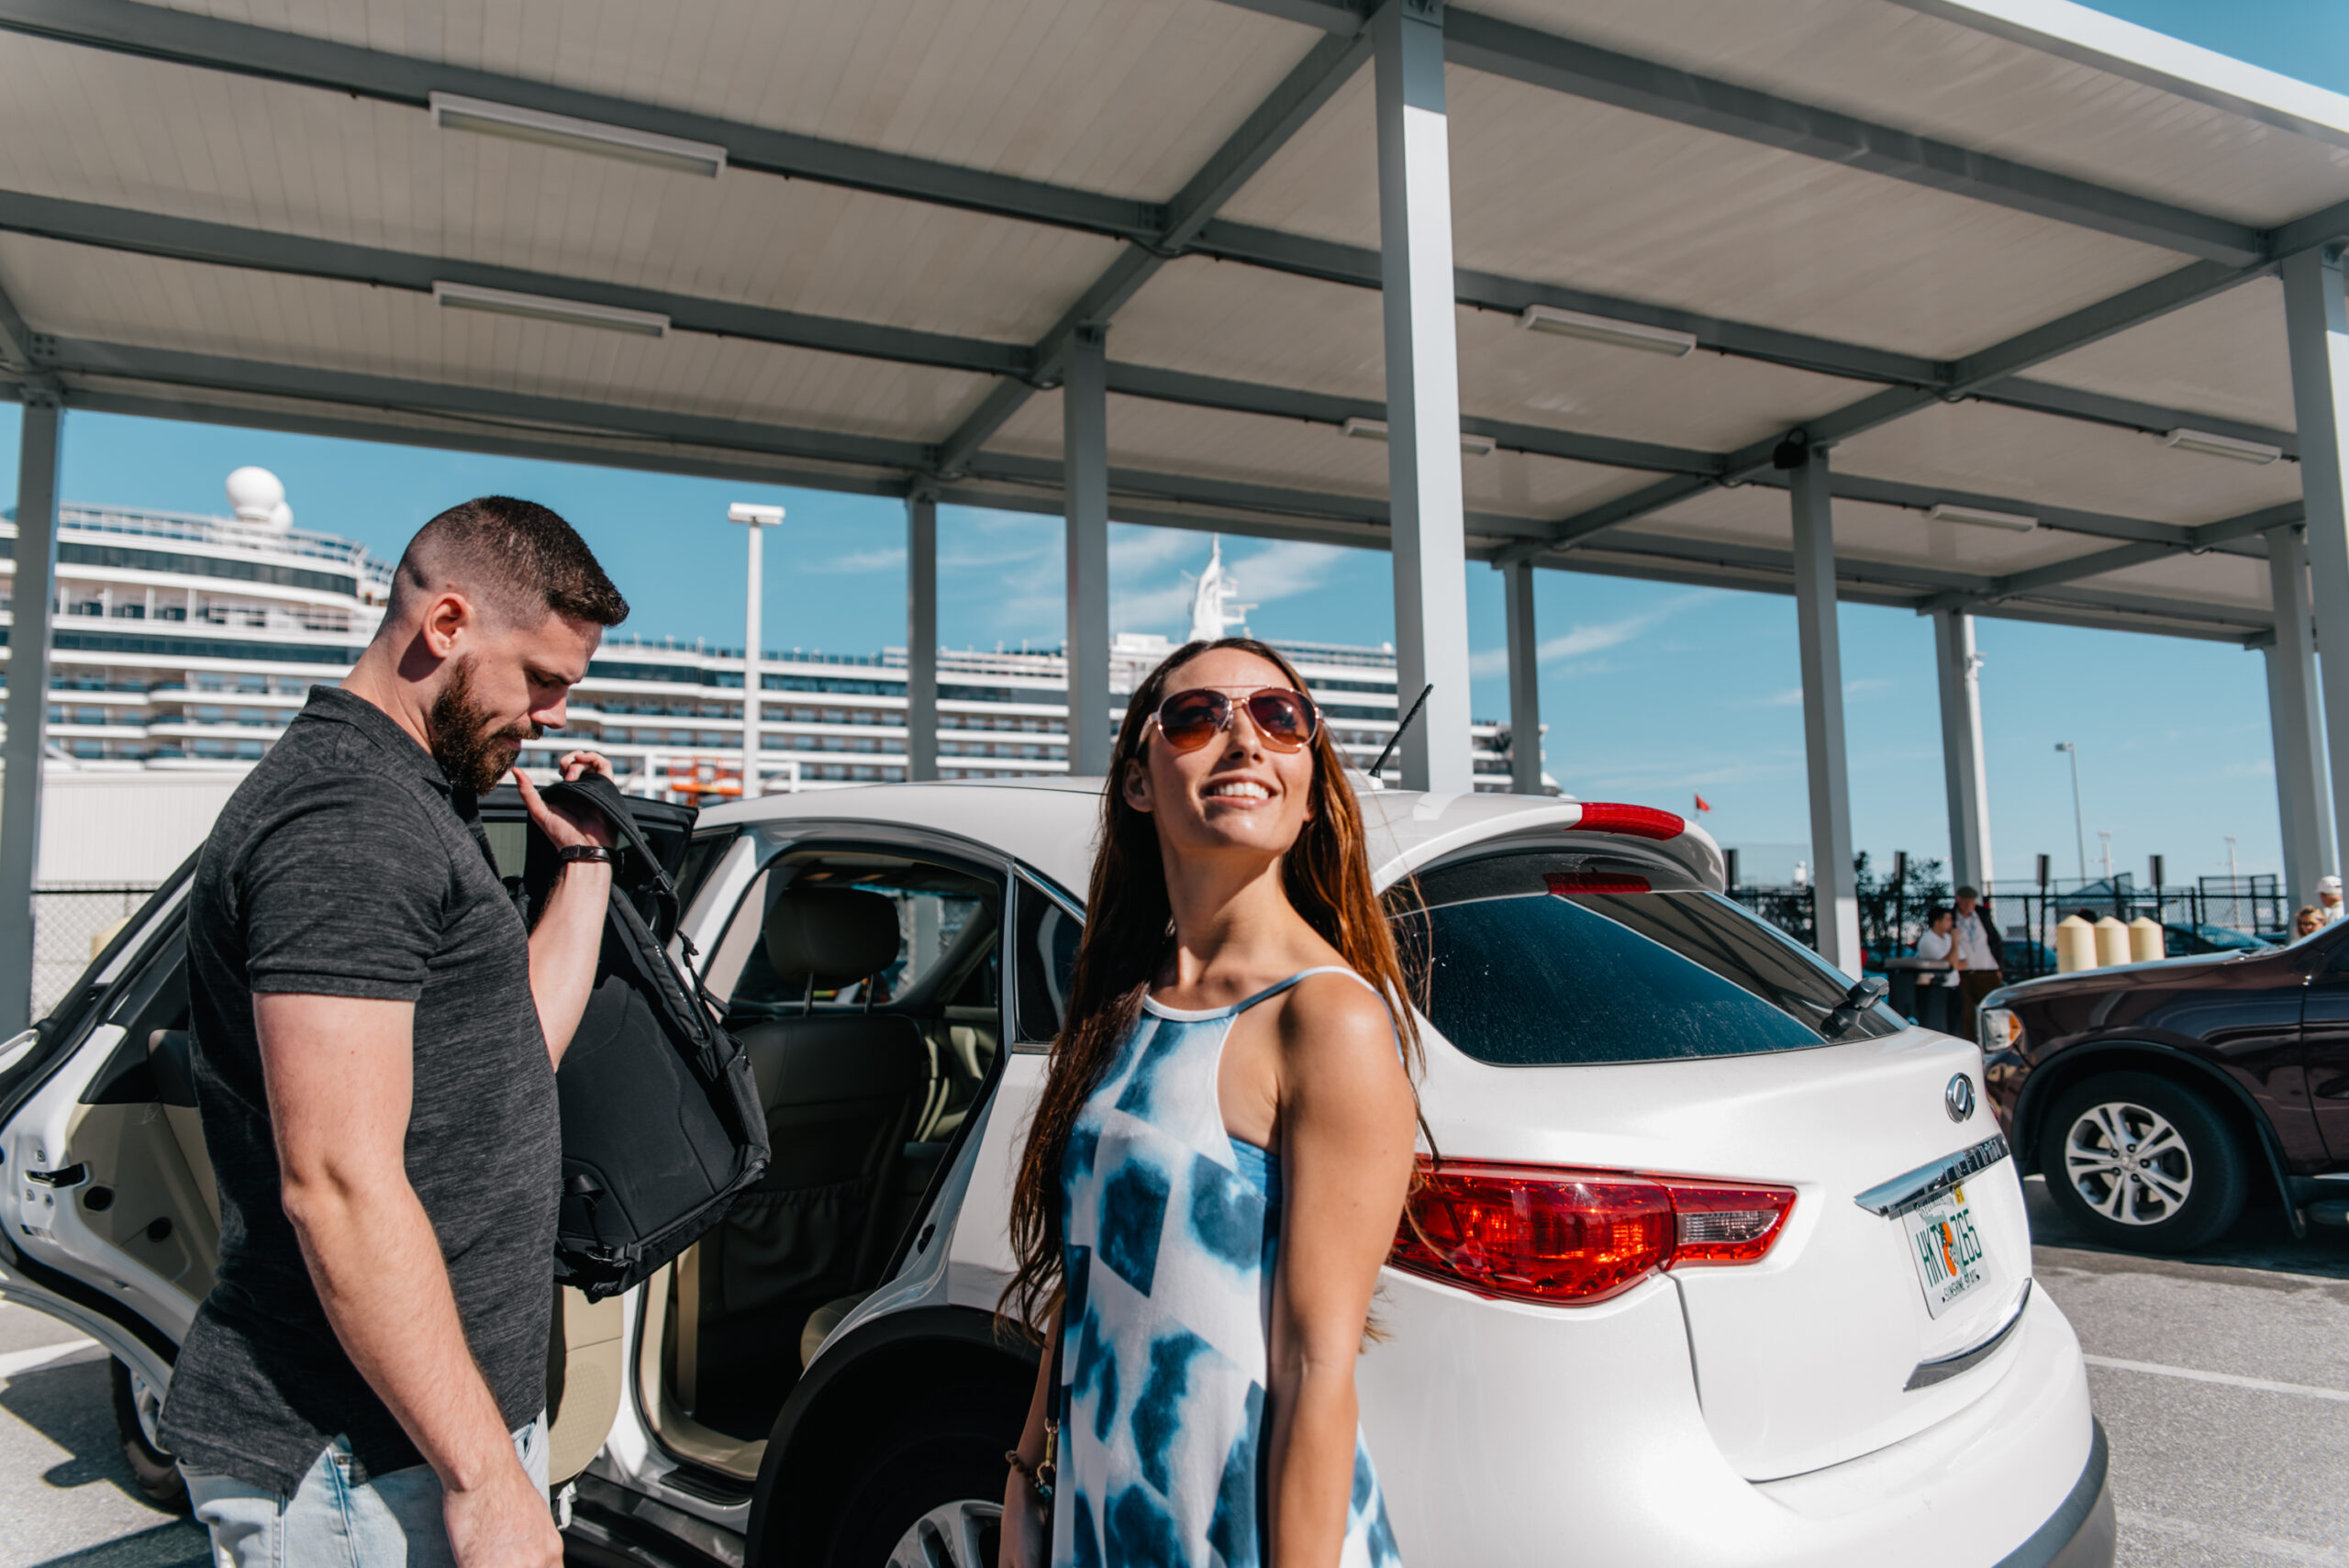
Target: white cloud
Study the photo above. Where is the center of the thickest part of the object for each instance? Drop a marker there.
(1790, 697)
(1284, 570)
(1583, 641)
(1580, 641)
(890, 558)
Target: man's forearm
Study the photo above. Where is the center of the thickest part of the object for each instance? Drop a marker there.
(563, 948)
(377, 1265)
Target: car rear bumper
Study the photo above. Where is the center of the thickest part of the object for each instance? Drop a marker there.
(2082, 1533)
(1513, 1435)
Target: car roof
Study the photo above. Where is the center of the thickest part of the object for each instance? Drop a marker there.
(1050, 823)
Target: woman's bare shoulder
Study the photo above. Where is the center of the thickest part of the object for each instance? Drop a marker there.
(1333, 1019)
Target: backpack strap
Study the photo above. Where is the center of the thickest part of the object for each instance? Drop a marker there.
(601, 795)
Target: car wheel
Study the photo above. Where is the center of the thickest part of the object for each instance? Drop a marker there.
(931, 1492)
(151, 1469)
(2139, 1162)
(953, 1535)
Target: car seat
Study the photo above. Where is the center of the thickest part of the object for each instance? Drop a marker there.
(840, 1091)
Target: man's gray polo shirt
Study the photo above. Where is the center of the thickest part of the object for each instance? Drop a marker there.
(345, 865)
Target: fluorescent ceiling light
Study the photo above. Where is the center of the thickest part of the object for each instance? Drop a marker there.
(1375, 430)
(451, 112)
(546, 307)
(1600, 330)
(2222, 446)
(2019, 522)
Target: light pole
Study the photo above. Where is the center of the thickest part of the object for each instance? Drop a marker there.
(756, 517)
(2079, 834)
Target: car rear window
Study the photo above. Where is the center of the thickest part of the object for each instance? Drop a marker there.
(1540, 959)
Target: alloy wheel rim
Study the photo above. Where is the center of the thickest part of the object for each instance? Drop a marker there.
(2128, 1163)
(952, 1535)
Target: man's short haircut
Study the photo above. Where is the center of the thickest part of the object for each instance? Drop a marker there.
(517, 559)
(1966, 893)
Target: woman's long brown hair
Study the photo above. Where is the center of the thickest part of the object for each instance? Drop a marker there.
(1130, 931)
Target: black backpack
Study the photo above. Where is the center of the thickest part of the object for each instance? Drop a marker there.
(662, 1128)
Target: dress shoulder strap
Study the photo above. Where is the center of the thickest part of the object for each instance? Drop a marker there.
(1277, 988)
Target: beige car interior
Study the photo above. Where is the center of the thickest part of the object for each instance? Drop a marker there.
(864, 986)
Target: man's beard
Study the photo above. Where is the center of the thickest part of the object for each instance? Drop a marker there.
(472, 750)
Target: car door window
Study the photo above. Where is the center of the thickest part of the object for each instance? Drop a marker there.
(1045, 951)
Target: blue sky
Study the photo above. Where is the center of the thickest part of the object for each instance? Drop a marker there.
(1651, 691)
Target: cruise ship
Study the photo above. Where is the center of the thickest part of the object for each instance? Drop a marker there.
(187, 642)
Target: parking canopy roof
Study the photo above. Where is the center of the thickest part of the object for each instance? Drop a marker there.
(2007, 256)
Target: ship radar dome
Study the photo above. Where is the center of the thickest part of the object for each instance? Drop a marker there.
(257, 496)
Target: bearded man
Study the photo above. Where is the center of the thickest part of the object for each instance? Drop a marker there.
(375, 1038)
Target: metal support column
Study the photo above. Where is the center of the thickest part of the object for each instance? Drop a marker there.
(1835, 896)
(1422, 393)
(1085, 435)
(27, 703)
(2316, 324)
(1524, 679)
(1962, 767)
(921, 637)
(2303, 803)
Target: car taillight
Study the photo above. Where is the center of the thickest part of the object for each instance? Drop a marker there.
(1571, 1238)
(1639, 821)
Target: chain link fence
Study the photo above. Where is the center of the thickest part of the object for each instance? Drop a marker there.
(72, 921)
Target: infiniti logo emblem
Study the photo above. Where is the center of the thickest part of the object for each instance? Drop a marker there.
(1959, 1097)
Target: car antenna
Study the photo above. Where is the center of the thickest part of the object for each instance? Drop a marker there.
(1397, 739)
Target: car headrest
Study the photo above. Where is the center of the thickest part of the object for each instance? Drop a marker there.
(837, 934)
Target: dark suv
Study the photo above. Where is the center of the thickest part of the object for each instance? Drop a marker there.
(2157, 1097)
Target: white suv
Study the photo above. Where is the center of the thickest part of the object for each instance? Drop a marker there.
(1723, 1264)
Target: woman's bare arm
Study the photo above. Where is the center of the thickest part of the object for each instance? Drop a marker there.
(1023, 1542)
(1347, 1120)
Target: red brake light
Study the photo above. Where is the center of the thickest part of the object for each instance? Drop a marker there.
(1562, 883)
(1639, 821)
(1571, 1238)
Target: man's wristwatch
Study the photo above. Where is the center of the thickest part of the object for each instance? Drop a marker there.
(600, 854)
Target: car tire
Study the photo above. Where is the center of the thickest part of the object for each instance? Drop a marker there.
(2141, 1163)
(930, 1490)
(151, 1469)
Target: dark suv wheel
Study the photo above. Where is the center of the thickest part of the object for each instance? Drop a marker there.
(2141, 1163)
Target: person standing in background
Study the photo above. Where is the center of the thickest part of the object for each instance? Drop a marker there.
(2328, 898)
(1937, 988)
(1980, 955)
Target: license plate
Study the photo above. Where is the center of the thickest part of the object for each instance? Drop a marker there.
(1946, 1248)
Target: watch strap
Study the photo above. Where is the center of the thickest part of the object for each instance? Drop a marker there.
(596, 853)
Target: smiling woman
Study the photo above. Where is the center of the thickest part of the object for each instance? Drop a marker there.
(1221, 1154)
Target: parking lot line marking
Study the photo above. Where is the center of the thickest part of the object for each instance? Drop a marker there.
(2261, 1384)
(15, 1362)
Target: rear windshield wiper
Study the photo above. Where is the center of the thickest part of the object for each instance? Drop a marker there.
(1865, 993)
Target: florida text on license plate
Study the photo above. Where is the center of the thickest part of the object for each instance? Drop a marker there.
(1946, 1248)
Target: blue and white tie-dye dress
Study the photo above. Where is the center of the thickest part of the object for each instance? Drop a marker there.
(1171, 1231)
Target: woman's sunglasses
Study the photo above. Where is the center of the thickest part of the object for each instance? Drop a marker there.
(1285, 719)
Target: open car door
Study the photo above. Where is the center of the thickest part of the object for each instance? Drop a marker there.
(109, 1219)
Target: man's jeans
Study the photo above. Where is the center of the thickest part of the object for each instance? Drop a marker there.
(332, 1521)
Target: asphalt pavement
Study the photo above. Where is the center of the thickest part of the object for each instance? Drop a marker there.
(2223, 1381)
